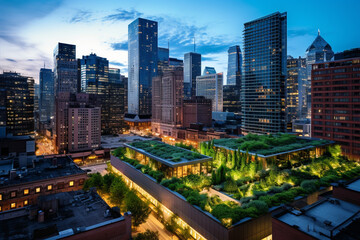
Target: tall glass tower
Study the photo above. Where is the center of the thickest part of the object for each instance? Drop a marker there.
(234, 66)
(192, 69)
(143, 65)
(263, 87)
(65, 68)
(94, 74)
(47, 100)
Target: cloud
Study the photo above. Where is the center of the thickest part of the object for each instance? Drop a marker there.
(120, 46)
(123, 15)
(81, 16)
(299, 32)
(10, 60)
(117, 64)
(204, 58)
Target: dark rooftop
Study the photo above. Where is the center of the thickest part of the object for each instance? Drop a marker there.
(354, 185)
(74, 212)
(42, 169)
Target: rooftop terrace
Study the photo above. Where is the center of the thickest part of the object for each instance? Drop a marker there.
(167, 154)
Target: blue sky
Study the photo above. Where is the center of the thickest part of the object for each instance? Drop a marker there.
(29, 30)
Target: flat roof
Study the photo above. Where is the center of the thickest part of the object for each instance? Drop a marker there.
(78, 211)
(45, 168)
(112, 142)
(322, 219)
(169, 162)
(354, 185)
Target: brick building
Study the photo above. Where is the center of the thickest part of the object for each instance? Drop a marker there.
(197, 110)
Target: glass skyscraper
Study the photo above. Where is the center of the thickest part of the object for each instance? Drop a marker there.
(47, 100)
(234, 66)
(143, 64)
(94, 74)
(210, 86)
(263, 85)
(65, 68)
(192, 69)
(209, 70)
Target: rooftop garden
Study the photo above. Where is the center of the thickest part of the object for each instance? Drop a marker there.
(268, 144)
(255, 185)
(167, 152)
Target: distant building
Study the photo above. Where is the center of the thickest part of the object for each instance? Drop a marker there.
(197, 110)
(65, 68)
(319, 51)
(211, 87)
(301, 127)
(296, 89)
(234, 66)
(176, 63)
(335, 113)
(263, 85)
(163, 59)
(351, 53)
(16, 105)
(209, 70)
(167, 99)
(231, 99)
(47, 99)
(78, 122)
(143, 65)
(192, 69)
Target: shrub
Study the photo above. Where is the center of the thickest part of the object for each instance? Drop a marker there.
(309, 186)
(260, 206)
(230, 186)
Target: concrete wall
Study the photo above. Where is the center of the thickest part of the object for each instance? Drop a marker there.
(348, 195)
(202, 222)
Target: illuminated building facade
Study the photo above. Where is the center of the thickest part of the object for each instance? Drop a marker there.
(16, 105)
(197, 110)
(192, 69)
(231, 99)
(335, 114)
(263, 84)
(234, 66)
(47, 99)
(211, 87)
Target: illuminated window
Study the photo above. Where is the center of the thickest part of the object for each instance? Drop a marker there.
(0, 208)
(13, 194)
(49, 187)
(26, 202)
(71, 183)
(37, 190)
(0, 197)
(13, 205)
(26, 191)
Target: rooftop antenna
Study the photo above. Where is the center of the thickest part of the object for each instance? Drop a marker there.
(318, 32)
(194, 44)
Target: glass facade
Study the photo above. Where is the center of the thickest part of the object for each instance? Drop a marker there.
(192, 69)
(209, 70)
(65, 68)
(211, 87)
(263, 85)
(143, 64)
(231, 99)
(234, 66)
(47, 100)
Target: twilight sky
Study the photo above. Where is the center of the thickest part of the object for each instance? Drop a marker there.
(30, 29)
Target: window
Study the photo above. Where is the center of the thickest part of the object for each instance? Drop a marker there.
(49, 187)
(37, 189)
(0, 208)
(13, 194)
(71, 183)
(26, 191)
(13, 205)
(26, 202)
(1, 197)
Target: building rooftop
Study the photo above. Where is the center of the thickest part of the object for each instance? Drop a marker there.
(323, 220)
(65, 214)
(42, 169)
(354, 185)
(112, 142)
(167, 154)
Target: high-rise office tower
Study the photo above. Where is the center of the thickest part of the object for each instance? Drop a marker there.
(16, 105)
(163, 59)
(335, 114)
(231, 99)
(65, 68)
(296, 84)
(209, 70)
(234, 66)
(47, 100)
(319, 51)
(263, 85)
(167, 102)
(78, 122)
(143, 65)
(211, 87)
(192, 69)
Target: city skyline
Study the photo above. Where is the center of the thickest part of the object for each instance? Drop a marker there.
(33, 28)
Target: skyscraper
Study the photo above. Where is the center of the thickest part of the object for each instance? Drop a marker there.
(319, 51)
(231, 99)
(234, 66)
(192, 69)
(65, 68)
(296, 89)
(47, 100)
(143, 65)
(263, 86)
(163, 59)
(16, 105)
(211, 87)
(209, 70)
